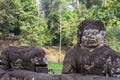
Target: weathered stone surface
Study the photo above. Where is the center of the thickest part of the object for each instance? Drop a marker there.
(29, 75)
(87, 77)
(91, 55)
(24, 58)
(42, 76)
(30, 58)
(77, 77)
(107, 78)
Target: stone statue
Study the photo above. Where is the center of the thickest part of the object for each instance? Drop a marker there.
(27, 58)
(91, 56)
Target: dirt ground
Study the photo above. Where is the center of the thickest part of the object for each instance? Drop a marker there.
(53, 54)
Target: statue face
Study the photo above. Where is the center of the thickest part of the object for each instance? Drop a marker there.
(92, 38)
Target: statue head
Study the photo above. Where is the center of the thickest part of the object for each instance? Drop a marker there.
(91, 33)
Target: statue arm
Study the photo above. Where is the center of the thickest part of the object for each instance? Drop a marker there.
(114, 64)
(69, 64)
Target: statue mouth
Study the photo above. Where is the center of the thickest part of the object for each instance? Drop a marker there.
(91, 43)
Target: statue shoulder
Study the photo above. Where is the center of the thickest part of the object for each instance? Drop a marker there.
(109, 51)
(73, 51)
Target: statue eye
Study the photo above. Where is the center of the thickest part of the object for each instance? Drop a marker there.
(86, 33)
(95, 32)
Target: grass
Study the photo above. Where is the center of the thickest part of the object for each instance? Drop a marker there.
(56, 67)
(53, 56)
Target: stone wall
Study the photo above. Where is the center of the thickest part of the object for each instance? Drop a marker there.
(70, 77)
(87, 77)
(7, 41)
(28, 75)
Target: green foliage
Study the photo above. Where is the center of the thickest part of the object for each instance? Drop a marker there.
(21, 17)
(83, 12)
(53, 10)
(8, 16)
(54, 26)
(34, 34)
(69, 28)
(90, 3)
(33, 29)
(56, 67)
(109, 14)
(113, 38)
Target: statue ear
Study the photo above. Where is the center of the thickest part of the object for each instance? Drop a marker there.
(79, 36)
(103, 33)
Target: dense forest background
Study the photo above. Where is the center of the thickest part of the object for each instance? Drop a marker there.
(40, 22)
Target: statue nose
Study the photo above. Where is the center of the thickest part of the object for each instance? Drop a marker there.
(90, 36)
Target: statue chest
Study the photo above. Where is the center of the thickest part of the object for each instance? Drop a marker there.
(91, 63)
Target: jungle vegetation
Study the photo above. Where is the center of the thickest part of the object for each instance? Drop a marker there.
(37, 22)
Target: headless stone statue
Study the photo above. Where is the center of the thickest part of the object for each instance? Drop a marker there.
(91, 56)
(27, 58)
